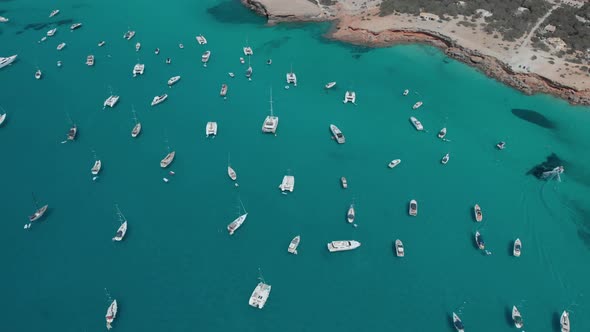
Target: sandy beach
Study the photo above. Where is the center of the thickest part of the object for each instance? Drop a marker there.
(515, 63)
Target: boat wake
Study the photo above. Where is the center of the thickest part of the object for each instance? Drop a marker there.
(64, 142)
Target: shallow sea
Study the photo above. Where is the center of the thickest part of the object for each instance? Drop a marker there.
(179, 270)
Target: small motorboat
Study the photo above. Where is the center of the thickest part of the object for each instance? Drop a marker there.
(96, 167)
(2, 118)
(205, 57)
(72, 133)
(517, 247)
(51, 32)
(442, 133)
(101, 43)
(75, 26)
(231, 173)
(477, 213)
(406, 91)
(38, 74)
(399, 248)
(479, 241)
(445, 159)
(232, 75)
(137, 47)
(564, 321)
(344, 182)
(417, 124)
(394, 163)
(157, 51)
(330, 85)
(181, 46)
(168, 61)
(417, 105)
(159, 99)
(501, 145)
(294, 244)
(242, 61)
(59, 63)
(350, 214)
(413, 208)
(129, 34)
(173, 80)
(54, 12)
(61, 46)
(269, 62)
(223, 90)
(457, 323)
(517, 318)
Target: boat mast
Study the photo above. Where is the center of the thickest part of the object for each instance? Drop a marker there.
(242, 204)
(260, 276)
(35, 201)
(120, 214)
(134, 115)
(271, 102)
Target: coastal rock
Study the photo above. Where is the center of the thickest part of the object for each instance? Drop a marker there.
(476, 59)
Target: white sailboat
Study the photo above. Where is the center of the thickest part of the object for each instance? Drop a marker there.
(249, 70)
(111, 314)
(237, 223)
(39, 211)
(230, 171)
(123, 228)
(137, 128)
(271, 122)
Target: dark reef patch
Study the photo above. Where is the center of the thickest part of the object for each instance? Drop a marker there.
(234, 12)
(270, 45)
(534, 117)
(552, 161)
(44, 25)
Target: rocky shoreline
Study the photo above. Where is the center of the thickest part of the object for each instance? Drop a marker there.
(528, 83)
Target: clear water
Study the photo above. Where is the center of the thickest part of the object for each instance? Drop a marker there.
(179, 270)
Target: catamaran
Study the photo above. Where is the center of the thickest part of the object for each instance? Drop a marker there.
(479, 241)
(394, 163)
(173, 80)
(350, 214)
(111, 101)
(123, 228)
(211, 129)
(138, 69)
(223, 90)
(458, 323)
(477, 213)
(39, 211)
(344, 245)
(137, 128)
(442, 133)
(90, 60)
(413, 208)
(7, 60)
(111, 314)
(288, 183)
(349, 96)
(399, 248)
(417, 124)
(417, 105)
(234, 225)
(168, 159)
(158, 99)
(96, 167)
(291, 77)
(294, 244)
(271, 122)
(516, 248)
(564, 321)
(51, 32)
(337, 134)
(517, 318)
(260, 294)
(201, 40)
(248, 51)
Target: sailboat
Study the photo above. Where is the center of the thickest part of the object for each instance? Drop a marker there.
(73, 131)
(2, 116)
(271, 122)
(169, 157)
(230, 171)
(123, 228)
(97, 165)
(137, 128)
(39, 211)
(234, 225)
(111, 314)
(249, 70)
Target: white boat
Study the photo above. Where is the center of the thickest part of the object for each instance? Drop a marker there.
(168, 61)
(231, 173)
(445, 159)
(417, 124)
(223, 91)
(137, 128)
(350, 214)
(211, 129)
(242, 61)
(138, 69)
(288, 183)
(417, 105)
(479, 242)
(249, 70)
(158, 99)
(3, 19)
(7, 60)
(292, 78)
(260, 295)
(129, 34)
(173, 80)
(44, 38)
(168, 159)
(406, 91)
(61, 46)
(349, 96)
(111, 101)
(517, 247)
(38, 74)
(201, 40)
(39, 211)
(330, 85)
(231, 74)
(96, 167)
(54, 12)
(234, 225)
(394, 163)
(564, 321)
(248, 51)
(344, 182)
(458, 323)
(337, 134)
(294, 244)
(399, 248)
(501, 145)
(101, 43)
(90, 60)
(181, 46)
(75, 26)
(111, 314)
(72, 133)
(205, 56)
(2, 118)
(58, 63)
(442, 133)
(157, 51)
(271, 122)
(51, 32)
(123, 228)
(477, 213)
(413, 208)
(343, 245)
(517, 318)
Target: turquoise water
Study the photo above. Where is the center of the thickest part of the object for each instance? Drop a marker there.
(179, 270)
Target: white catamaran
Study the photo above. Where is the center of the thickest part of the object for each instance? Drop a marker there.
(260, 294)
(271, 122)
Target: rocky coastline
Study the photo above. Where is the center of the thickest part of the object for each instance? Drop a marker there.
(526, 82)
